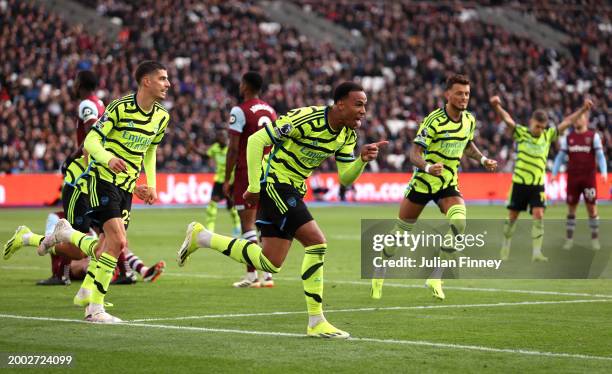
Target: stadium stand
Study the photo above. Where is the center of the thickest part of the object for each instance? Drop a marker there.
(410, 48)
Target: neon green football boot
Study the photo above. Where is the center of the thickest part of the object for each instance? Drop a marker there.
(190, 244)
(326, 330)
(15, 242)
(435, 285)
(376, 289)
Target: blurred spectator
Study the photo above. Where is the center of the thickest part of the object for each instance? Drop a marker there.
(411, 47)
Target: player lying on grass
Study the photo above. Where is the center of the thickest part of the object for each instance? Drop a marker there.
(66, 265)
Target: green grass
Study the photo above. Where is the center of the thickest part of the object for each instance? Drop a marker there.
(397, 338)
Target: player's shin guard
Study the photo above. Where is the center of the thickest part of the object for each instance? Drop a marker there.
(87, 244)
(594, 226)
(243, 251)
(456, 215)
(399, 227)
(378, 275)
(90, 275)
(104, 274)
(570, 226)
(509, 227)
(211, 216)
(251, 236)
(235, 218)
(312, 277)
(537, 236)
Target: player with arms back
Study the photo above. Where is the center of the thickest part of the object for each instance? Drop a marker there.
(246, 119)
(581, 148)
(532, 146)
(302, 139)
(444, 136)
(125, 138)
(75, 202)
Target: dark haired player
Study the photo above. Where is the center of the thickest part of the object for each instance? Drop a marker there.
(245, 119)
(302, 139)
(125, 138)
(444, 136)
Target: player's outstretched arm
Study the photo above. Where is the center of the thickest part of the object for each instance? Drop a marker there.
(417, 159)
(569, 120)
(348, 172)
(505, 116)
(474, 153)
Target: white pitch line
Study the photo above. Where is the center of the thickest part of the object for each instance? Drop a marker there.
(481, 289)
(364, 283)
(354, 339)
(399, 285)
(374, 309)
(16, 267)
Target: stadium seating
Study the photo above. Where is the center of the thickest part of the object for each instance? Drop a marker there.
(412, 47)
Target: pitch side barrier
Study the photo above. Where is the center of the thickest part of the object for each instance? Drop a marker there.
(195, 189)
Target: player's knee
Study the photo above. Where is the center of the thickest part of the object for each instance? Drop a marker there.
(275, 268)
(276, 263)
(315, 240)
(116, 245)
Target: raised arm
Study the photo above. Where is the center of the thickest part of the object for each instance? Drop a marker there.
(505, 116)
(569, 120)
(349, 169)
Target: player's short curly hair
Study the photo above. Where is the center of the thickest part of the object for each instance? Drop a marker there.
(87, 80)
(540, 115)
(254, 80)
(343, 89)
(456, 79)
(147, 67)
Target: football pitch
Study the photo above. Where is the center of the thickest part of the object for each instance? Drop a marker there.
(191, 319)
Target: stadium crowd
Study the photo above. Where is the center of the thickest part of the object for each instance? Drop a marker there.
(409, 51)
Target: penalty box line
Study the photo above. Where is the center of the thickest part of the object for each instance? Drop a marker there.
(421, 343)
(373, 309)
